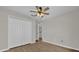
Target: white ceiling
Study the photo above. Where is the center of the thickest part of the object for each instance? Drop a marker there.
(54, 10)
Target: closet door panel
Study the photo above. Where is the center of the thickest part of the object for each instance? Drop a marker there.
(19, 32)
(28, 29)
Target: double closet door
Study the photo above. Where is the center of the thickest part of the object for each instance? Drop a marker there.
(19, 32)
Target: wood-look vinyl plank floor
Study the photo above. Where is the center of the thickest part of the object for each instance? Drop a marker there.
(40, 47)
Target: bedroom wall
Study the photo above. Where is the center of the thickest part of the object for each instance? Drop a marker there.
(3, 31)
(63, 30)
(4, 14)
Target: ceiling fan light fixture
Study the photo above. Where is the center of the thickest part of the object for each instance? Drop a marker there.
(40, 11)
(40, 15)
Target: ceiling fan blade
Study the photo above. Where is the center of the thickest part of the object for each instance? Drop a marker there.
(37, 7)
(46, 13)
(47, 8)
(32, 11)
(33, 15)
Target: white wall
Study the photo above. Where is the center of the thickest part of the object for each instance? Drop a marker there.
(3, 31)
(63, 30)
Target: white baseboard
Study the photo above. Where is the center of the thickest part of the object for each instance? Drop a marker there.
(9, 47)
(62, 45)
(4, 50)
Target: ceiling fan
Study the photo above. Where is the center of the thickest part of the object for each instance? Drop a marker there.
(40, 11)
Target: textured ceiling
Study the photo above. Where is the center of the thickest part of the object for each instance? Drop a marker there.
(54, 10)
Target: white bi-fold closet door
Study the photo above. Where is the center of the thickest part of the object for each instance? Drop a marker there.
(19, 32)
